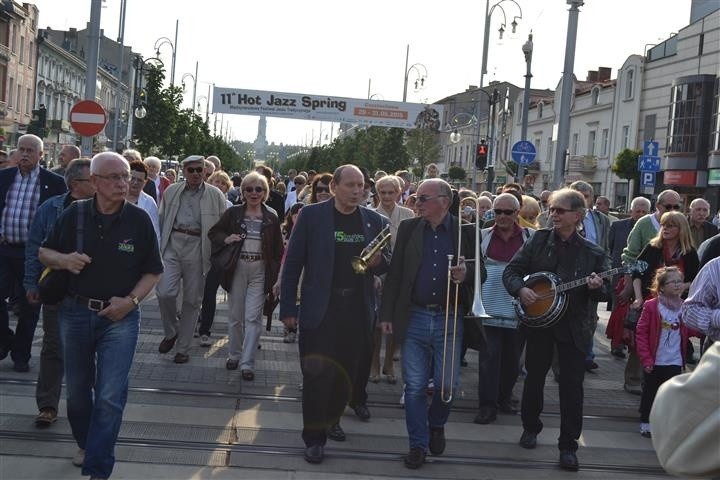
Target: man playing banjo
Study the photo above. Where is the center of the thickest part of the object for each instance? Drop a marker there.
(563, 252)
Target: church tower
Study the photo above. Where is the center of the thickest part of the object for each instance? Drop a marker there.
(261, 143)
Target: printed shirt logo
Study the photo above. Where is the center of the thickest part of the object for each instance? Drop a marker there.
(126, 246)
(342, 237)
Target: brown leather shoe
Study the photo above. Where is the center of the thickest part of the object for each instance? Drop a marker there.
(46, 417)
(167, 344)
(181, 358)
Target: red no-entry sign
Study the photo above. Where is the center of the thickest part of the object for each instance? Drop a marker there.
(88, 118)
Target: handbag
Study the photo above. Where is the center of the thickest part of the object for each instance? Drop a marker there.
(53, 284)
(632, 318)
(224, 262)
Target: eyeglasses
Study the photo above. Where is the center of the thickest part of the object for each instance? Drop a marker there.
(672, 207)
(254, 189)
(559, 210)
(82, 179)
(322, 189)
(115, 177)
(500, 211)
(674, 282)
(195, 169)
(427, 198)
(137, 180)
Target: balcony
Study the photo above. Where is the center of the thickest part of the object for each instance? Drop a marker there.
(582, 163)
(5, 53)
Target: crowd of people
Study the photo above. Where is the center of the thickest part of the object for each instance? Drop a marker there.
(298, 241)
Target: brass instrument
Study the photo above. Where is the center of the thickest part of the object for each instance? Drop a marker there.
(360, 264)
(478, 309)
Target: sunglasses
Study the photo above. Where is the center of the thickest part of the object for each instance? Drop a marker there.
(427, 198)
(254, 189)
(500, 211)
(672, 207)
(322, 189)
(195, 169)
(559, 210)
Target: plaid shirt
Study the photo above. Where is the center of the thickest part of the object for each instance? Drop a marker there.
(21, 201)
(701, 310)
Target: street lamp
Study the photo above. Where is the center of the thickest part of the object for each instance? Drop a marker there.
(139, 92)
(194, 78)
(419, 69)
(166, 41)
(527, 50)
(488, 14)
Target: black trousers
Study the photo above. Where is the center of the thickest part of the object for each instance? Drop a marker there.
(209, 302)
(498, 367)
(330, 358)
(359, 391)
(651, 384)
(538, 357)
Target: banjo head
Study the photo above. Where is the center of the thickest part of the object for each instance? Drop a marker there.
(543, 312)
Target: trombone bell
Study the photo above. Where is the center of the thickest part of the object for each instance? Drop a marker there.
(360, 264)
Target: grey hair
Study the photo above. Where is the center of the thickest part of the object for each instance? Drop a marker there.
(132, 153)
(574, 198)
(101, 157)
(215, 161)
(581, 186)
(74, 149)
(75, 169)
(396, 182)
(661, 196)
(444, 188)
(638, 200)
(508, 196)
(34, 139)
(698, 200)
(153, 162)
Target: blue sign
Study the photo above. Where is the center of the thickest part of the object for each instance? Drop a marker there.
(650, 148)
(523, 152)
(647, 179)
(648, 164)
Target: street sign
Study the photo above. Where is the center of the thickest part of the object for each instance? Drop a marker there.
(648, 164)
(88, 118)
(523, 152)
(650, 148)
(647, 179)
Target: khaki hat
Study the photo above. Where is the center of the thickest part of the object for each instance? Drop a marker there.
(192, 159)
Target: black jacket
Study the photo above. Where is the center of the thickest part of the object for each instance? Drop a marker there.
(654, 257)
(539, 254)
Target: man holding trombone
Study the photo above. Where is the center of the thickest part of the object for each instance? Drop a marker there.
(424, 298)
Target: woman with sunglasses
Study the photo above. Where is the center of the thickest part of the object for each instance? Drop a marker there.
(255, 231)
(320, 188)
(136, 195)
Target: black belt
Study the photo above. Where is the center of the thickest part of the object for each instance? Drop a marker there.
(345, 292)
(92, 304)
(11, 244)
(194, 233)
(431, 307)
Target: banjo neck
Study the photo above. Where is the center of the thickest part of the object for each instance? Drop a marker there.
(582, 281)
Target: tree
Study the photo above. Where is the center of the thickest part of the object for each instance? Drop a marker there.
(422, 148)
(626, 164)
(457, 173)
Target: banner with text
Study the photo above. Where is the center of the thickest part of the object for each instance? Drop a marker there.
(327, 109)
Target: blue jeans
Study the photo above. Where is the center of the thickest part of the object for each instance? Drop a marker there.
(422, 359)
(498, 370)
(95, 402)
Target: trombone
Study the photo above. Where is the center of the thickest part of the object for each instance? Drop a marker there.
(360, 264)
(477, 311)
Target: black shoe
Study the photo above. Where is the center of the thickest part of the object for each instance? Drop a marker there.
(362, 412)
(4, 351)
(314, 453)
(437, 440)
(507, 408)
(485, 415)
(633, 390)
(21, 367)
(167, 344)
(463, 362)
(618, 352)
(336, 433)
(569, 461)
(590, 366)
(528, 440)
(415, 458)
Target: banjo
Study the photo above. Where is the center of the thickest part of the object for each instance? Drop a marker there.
(552, 297)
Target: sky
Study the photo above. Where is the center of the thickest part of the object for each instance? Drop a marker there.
(331, 47)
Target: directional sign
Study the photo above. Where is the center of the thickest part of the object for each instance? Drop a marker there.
(647, 179)
(650, 148)
(523, 152)
(88, 118)
(648, 164)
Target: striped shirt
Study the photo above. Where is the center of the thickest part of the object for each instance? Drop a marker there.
(701, 310)
(21, 201)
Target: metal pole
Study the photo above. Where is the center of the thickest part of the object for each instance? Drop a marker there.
(407, 57)
(121, 40)
(174, 56)
(568, 83)
(483, 69)
(93, 52)
(195, 80)
(369, 81)
(207, 106)
(491, 143)
(527, 50)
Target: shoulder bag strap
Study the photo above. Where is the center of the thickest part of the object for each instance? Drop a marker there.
(80, 233)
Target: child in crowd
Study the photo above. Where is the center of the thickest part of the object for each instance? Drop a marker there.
(661, 338)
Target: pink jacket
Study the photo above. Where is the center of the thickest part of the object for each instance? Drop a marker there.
(647, 334)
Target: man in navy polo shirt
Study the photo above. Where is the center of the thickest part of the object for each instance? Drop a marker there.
(99, 318)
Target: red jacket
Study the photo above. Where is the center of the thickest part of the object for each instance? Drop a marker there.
(647, 334)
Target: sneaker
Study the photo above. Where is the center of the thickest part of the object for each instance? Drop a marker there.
(205, 341)
(290, 337)
(79, 458)
(645, 430)
(402, 399)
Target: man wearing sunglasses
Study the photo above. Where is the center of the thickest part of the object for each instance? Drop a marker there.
(563, 251)
(185, 250)
(416, 293)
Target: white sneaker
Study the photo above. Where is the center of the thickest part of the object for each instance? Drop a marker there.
(290, 337)
(79, 458)
(402, 398)
(645, 430)
(205, 341)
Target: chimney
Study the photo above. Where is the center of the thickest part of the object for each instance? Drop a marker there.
(604, 74)
(471, 88)
(592, 76)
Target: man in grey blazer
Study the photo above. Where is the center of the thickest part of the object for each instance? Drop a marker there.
(336, 314)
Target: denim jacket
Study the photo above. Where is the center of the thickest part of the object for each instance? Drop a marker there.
(42, 223)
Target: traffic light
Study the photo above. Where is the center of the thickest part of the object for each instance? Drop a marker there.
(38, 122)
(481, 155)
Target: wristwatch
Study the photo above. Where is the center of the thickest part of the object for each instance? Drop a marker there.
(134, 299)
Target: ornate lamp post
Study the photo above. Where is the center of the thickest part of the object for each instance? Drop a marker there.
(527, 49)
(194, 79)
(488, 15)
(419, 69)
(173, 45)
